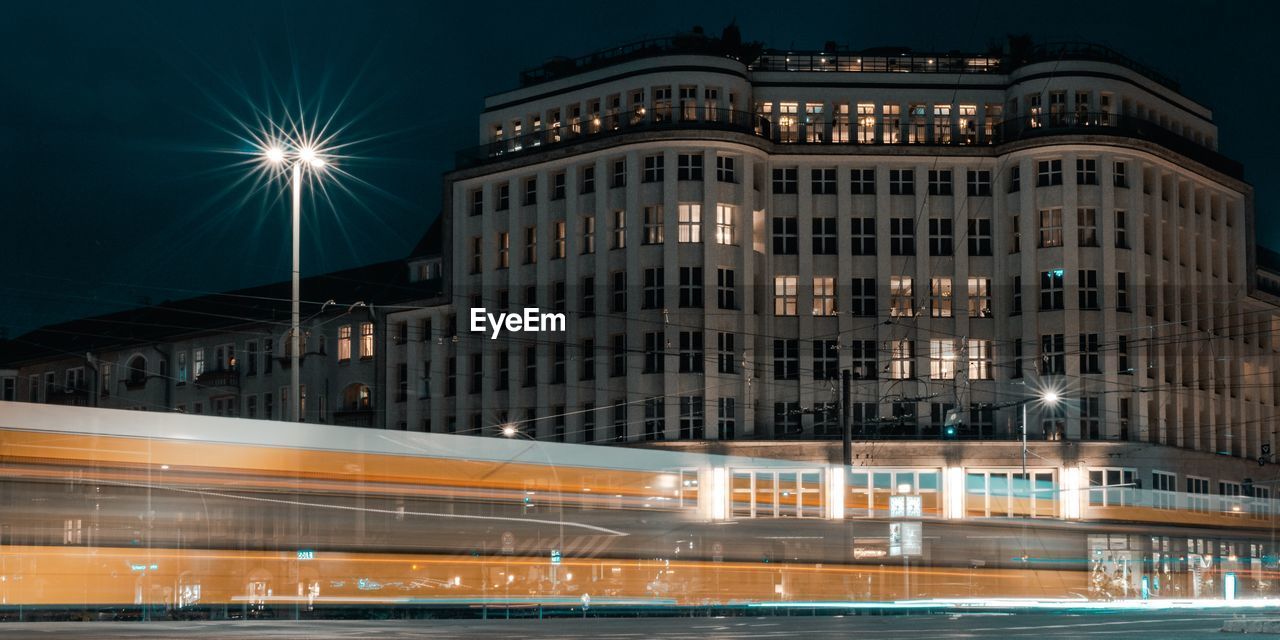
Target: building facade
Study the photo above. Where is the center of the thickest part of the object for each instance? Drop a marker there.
(730, 229)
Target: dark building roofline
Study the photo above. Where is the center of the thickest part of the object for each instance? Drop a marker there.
(376, 284)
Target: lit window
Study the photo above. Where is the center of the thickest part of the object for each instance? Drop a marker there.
(344, 343)
(366, 339)
(690, 223)
(724, 224)
(942, 359)
(940, 297)
(784, 295)
(901, 297)
(824, 296)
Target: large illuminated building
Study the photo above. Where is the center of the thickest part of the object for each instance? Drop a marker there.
(729, 229)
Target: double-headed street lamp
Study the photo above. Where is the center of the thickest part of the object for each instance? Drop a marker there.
(296, 157)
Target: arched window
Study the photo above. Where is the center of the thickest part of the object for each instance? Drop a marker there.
(356, 397)
(137, 370)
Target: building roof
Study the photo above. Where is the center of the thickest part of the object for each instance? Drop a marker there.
(432, 242)
(376, 284)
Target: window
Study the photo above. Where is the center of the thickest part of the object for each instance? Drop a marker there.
(786, 422)
(940, 182)
(726, 358)
(901, 297)
(653, 224)
(979, 297)
(504, 250)
(1015, 234)
(727, 422)
(824, 296)
(1051, 227)
(691, 418)
(504, 197)
(688, 167)
(655, 422)
(530, 245)
(725, 169)
(588, 308)
(691, 353)
(1197, 488)
(504, 370)
(557, 186)
(477, 377)
(892, 132)
(942, 359)
(588, 422)
(1088, 289)
(530, 365)
(690, 222)
(652, 168)
(823, 181)
(726, 289)
(619, 178)
(824, 236)
(268, 354)
(786, 240)
(1112, 487)
(866, 123)
(1051, 290)
(1122, 355)
(619, 229)
(366, 341)
(1120, 174)
(902, 365)
(863, 182)
(979, 183)
(690, 287)
(940, 237)
(197, 365)
(826, 360)
(1122, 232)
(979, 237)
(1053, 355)
(618, 301)
(1122, 291)
(530, 191)
(618, 356)
(864, 236)
(589, 179)
(1087, 227)
(980, 358)
(902, 237)
(1048, 173)
(784, 295)
(1086, 171)
(786, 359)
(477, 202)
(1163, 487)
(1015, 179)
(724, 224)
(588, 234)
(940, 297)
(1016, 366)
(654, 288)
(1090, 354)
(902, 182)
(620, 420)
(785, 179)
(1003, 494)
(864, 297)
(557, 246)
(863, 360)
(942, 124)
(344, 344)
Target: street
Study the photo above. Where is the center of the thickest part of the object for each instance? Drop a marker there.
(1180, 625)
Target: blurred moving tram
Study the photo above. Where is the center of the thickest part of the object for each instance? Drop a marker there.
(204, 516)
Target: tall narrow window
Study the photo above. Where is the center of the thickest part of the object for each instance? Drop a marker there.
(588, 234)
(1087, 227)
(1051, 227)
(824, 296)
(724, 224)
(786, 239)
(690, 287)
(619, 229)
(940, 297)
(784, 295)
(979, 232)
(366, 340)
(901, 363)
(864, 297)
(654, 288)
(940, 237)
(979, 297)
(901, 297)
(942, 359)
(786, 359)
(558, 245)
(1051, 290)
(653, 224)
(690, 222)
(864, 236)
(824, 236)
(344, 343)
(902, 236)
(726, 289)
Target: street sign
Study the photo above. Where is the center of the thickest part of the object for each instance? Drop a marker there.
(306, 554)
(555, 556)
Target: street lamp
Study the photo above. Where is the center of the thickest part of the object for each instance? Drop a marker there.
(1048, 398)
(295, 157)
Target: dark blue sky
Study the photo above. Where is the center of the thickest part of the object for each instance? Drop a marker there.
(117, 164)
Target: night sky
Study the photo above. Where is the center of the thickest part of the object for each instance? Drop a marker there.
(122, 167)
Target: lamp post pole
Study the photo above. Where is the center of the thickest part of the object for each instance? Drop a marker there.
(295, 339)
